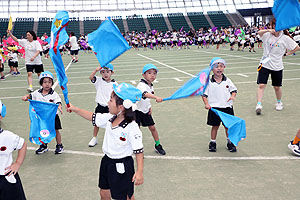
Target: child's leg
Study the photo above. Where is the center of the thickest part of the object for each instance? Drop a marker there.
(105, 194)
(96, 129)
(297, 137)
(132, 198)
(154, 133)
(214, 131)
(58, 137)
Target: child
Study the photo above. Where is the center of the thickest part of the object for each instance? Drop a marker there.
(219, 94)
(122, 138)
(47, 94)
(13, 62)
(104, 87)
(10, 182)
(143, 112)
(1, 68)
(294, 144)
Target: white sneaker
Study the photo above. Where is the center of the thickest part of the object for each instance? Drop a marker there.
(279, 106)
(258, 109)
(93, 142)
(30, 89)
(294, 148)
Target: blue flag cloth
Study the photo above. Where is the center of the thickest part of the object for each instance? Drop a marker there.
(287, 14)
(2, 109)
(42, 117)
(59, 37)
(194, 87)
(236, 126)
(107, 42)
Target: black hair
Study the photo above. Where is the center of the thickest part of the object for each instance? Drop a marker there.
(72, 34)
(42, 80)
(33, 34)
(129, 115)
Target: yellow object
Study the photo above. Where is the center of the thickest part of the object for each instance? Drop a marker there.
(9, 24)
(12, 48)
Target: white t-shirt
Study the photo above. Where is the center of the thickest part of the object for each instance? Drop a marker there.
(280, 44)
(103, 90)
(14, 56)
(120, 141)
(30, 50)
(73, 43)
(218, 93)
(9, 142)
(144, 105)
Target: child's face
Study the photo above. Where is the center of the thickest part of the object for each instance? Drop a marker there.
(150, 75)
(218, 69)
(106, 74)
(112, 105)
(47, 84)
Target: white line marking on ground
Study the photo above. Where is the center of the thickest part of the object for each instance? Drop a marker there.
(262, 158)
(166, 65)
(9, 74)
(243, 75)
(178, 79)
(133, 82)
(66, 69)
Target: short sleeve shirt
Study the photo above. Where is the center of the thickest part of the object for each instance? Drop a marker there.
(51, 97)
(30, 50)
(103, 90)
(144, 104)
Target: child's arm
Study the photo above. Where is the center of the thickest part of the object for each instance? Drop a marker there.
(138, 177)
(35, 55)
(14, 168)
(83, 113)
(60, 108)
(207, 106)
(151, 96)
(94, 73)
(233, 95)
(26, 97)
(12, 36)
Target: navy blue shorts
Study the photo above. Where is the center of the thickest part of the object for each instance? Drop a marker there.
(101, 109)
(119, 183)
(276, 76)
(11, 190)
(143, 119)
(213, 119)
(57, 122)
(36, 68)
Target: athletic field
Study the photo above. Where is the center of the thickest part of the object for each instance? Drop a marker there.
(262, 168)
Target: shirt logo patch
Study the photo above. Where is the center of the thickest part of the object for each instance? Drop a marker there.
(51, 100)
(123, 136)
(3, 148)
(227, 86)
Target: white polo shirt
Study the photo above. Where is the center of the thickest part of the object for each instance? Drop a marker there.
(14, 56)
(218, 93)
(73, 43)
(103, 89)
(9, 142)
(30, 50)
(120, 141)
(51, 97)
(144, 104)
(280, 44)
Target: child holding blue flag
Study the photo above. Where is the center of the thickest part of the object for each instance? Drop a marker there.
(104, 88)
(219, 94)
(144, 111)
(122, 138)
(47, 94)
(10, 182)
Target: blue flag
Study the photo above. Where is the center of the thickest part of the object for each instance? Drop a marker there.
(2, 109)
(107, 42)
(194, 87)
(287, 14)
(236, 126)
(59, 37)
(42, 117)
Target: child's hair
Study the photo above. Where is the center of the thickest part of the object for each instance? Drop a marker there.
(72, 34)
(42, 80)
(129, 115)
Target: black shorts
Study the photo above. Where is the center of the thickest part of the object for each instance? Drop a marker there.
(46, 51)
(101, 109)
(119, 184)
(2, 68)
(213, 119)
(232, 43)
(143, 119)
(11, 190)
(276, 76)
(57, 123)
(12, 64)
(252, 45)
(36, 68)
(74, 52)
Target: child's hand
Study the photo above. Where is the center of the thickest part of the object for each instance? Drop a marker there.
(25, 98)
(60, 109)
(13, 169)
(207, 106)
(32, 59)
(138, 178)
(98, 69)
(231, 98)
(159, 99)
(70, 108)
(150, 111)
